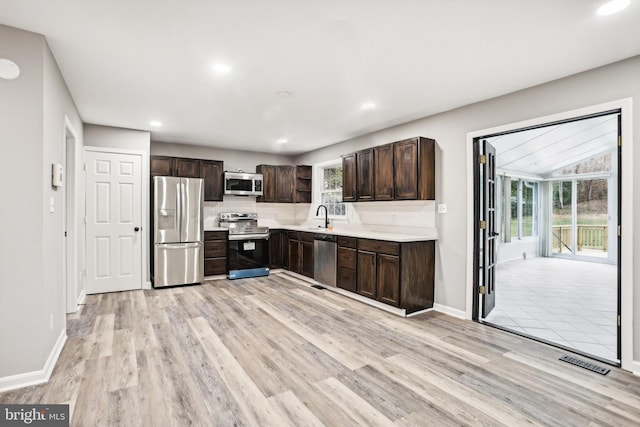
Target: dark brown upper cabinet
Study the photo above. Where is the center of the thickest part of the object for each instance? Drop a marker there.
(414, 169)
(162, 166)
(285, 184)
(268, 183)
(209, 170)
(212, 172)
(349, 178)
(403, 170)
(364, 177)
(303, 184)
(383, 188)
(188, 168)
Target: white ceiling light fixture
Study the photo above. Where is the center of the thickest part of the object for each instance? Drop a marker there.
(155, 123)
(9, 70)
(367, 105)
(612, 7)
(221, 68)
(284, 94)
(283, 141)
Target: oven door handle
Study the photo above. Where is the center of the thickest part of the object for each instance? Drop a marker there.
(248, 237)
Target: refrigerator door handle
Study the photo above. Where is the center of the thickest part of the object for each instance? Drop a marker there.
(180, 246)
(179, 208)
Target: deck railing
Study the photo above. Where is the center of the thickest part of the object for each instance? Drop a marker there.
(589, 237)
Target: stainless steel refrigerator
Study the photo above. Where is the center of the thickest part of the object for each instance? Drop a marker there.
(178, 231)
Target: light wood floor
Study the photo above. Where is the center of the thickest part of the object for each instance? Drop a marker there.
(274, 351)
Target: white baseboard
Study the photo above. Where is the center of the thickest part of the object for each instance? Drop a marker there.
(147, 285)
(35, 377)
(635, 368)
(460, 314)
(81, 297)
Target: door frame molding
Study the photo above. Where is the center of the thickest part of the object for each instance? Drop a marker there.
(626, 220)
(144, 206)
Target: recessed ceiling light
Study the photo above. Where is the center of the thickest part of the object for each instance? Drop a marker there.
(221, 68)
(284, 94)
(612, 7)
(282, 141)
(155, 123)
(368, 105)
(9, 70)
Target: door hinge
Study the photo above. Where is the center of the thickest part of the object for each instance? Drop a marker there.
(619, 231)
(619, 141)
(483, 159)
(84, 166)
(483, 225)
(482, 290)
(619, 320)
(85, 219)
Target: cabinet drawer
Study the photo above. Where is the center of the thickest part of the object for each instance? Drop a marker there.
(379, 246)
(215, 266)
(293, 235)
(216, 249)
(347, 242)
(347, 258)
(215, 235)
(346, 279)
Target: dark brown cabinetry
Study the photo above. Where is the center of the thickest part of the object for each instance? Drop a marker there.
(215, 253)
(379, 270)
(303, 184)
(300, 259)
(347, 263)
(364, 175)
(383, 188)
(366, 274)
(209, 170)
(414, 169)
(349, 178)
(278, 248)
(285, 184)
(403, 170)
(212, 172)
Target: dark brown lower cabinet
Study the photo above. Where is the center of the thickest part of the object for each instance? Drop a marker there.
(215, 253)
(306, 256)
(366, 283)
(347, 262)
(300, 252)
(388, 279)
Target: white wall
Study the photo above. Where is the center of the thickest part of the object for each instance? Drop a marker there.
(32, 117)
(449, 129)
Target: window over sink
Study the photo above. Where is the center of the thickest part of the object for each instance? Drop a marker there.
(328, 188)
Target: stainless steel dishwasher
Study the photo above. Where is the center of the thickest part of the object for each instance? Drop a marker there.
(325, 250)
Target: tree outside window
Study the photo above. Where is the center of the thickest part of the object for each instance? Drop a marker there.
(331, 191)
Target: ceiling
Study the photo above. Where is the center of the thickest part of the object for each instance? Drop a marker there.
(130, 62)
(540, 152)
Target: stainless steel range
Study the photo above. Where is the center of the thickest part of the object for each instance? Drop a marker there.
(248, 245)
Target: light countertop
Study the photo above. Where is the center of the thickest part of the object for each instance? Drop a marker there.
(392, 236)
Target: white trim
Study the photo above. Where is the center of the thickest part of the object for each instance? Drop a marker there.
(71, 217)
(81, 297)
(635, 368)
(454, 312)
(35, 377)
(626, 259)
(145, 184)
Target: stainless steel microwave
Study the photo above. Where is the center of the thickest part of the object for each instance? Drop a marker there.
(243, 184)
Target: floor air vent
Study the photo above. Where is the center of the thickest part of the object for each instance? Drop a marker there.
(317, 287)
(586, 365)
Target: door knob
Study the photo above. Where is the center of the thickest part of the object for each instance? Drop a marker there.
(136, 229)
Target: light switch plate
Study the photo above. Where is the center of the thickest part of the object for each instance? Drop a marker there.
(442, 208)
(52, 205)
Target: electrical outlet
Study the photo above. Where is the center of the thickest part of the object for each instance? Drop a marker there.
(442, 208)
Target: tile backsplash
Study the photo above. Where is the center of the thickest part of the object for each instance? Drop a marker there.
(396, 216)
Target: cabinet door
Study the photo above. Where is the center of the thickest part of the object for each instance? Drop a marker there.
(285, 178)
(406, 170)
(212, 172)
(366, 283)
(294, 256)
(268, 183)
(388, 277)
(349, 178)
(188, 168)
(162, 166)
(306, 267)
(364, 180)
(275, 256)
(383, 170)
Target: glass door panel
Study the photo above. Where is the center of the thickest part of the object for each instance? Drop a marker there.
(592, 218)
(561, 218)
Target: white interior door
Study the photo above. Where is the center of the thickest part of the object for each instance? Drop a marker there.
(114, 212)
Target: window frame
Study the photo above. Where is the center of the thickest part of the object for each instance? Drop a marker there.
(318, 181)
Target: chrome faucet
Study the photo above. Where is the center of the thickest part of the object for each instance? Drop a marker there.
(326, 215)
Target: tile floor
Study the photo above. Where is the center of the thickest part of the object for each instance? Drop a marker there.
(571, 303)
